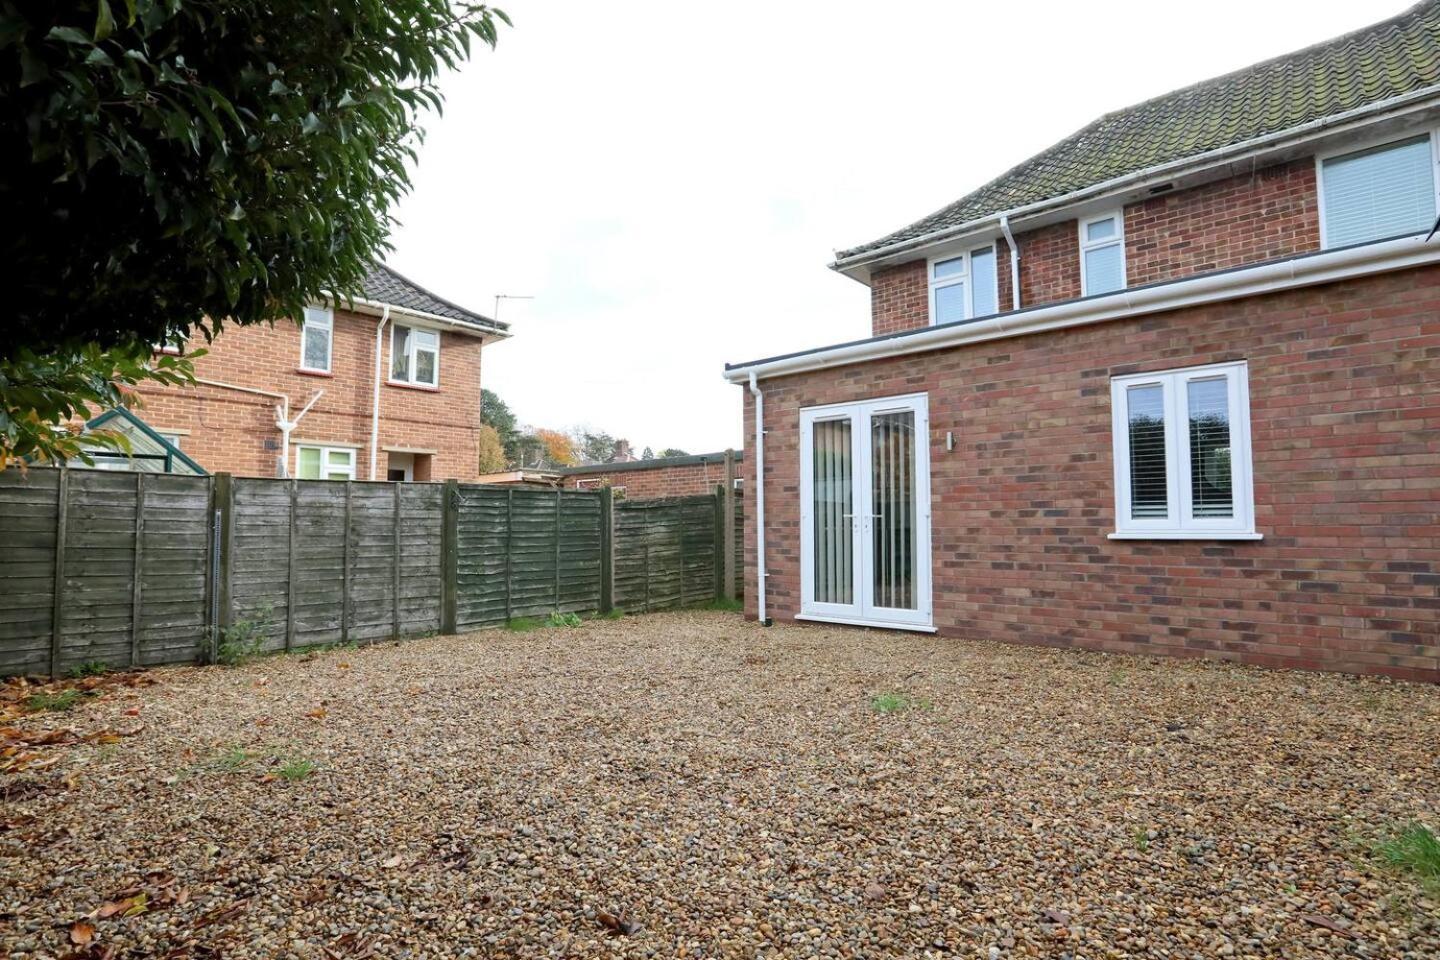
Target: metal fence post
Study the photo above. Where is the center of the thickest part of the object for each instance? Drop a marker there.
(449, 556)
(57, 613)
(607, 549)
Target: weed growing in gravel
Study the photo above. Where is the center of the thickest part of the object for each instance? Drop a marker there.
(244, 639)
(558, 619)
(616, 614)
(1415, 850)
(898, 703)
(296, 768)
(728, 604)
(523, 624)
(233, 760)
(90, 668)
(1142, 839)
(61, 701)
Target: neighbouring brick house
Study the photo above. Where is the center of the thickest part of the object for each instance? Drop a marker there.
(1209, 426)
(316, 401)
(663, 477)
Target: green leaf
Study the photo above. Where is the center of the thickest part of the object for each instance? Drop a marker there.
(104, 20)
(68, 35)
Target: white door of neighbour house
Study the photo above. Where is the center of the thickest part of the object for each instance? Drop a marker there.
(865, 513)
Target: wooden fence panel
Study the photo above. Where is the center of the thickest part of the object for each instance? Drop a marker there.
(482, 567)
(421, 516)
(259, 564)
(580, 545)
(174, 569)
(99, 566)
(665, 553)
(319, 562)
(28, 511)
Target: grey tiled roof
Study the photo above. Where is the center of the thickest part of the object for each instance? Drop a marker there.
(384, 285)
(1377, 63)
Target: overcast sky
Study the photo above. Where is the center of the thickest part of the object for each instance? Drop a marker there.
(670, 179)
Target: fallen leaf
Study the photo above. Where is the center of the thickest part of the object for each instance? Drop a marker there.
(82, 932)
(1328, 924)
(223, 914)
(318, 713)
(618, 922)
(133, 712)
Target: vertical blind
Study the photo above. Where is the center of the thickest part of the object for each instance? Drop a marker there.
(833, 492)
(1210, 485)
(1149, 488)
(1103, 269)
(892, 472)
(1383, 192)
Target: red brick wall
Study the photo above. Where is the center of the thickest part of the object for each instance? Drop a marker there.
(227, 430)
(899, 298)
(1261, 216)
(1246, 219)
(1345, 422)
(685, 480)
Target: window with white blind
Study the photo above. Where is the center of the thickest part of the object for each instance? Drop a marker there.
(415, 356)
(963, 286)
(1378, 193)
(1102, 254)
(1182, 454)
(317, 335)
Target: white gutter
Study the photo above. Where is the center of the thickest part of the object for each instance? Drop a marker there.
(1197, 163)
(377, 308)
(1014, 261)
(1327, 267)
(375, 402)
(759, 500)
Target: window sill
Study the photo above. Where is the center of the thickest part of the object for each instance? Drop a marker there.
(1186, 535)
(412, 386)
(858, 622)
(303, 371)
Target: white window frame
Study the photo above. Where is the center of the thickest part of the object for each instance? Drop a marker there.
(964, 277)
(320, 318)
(410, 351)
(1118, 215)
(1180, 524)
(325, 459)
(1320, 158)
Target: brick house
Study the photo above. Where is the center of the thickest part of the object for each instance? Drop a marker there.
(1207, 426)
(685, 476)
(385, 387)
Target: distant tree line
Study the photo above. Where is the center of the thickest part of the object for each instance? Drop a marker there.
(505, 444)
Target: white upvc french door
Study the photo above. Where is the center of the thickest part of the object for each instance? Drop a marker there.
(865, 512)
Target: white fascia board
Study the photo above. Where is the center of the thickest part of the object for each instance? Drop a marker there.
(377, 308)
(1415, 101)
(1304, 271)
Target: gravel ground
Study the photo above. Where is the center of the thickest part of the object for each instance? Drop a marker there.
(692, 785)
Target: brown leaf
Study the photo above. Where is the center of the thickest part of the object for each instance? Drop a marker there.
(317, 714)
(82, 932)
(1328, 924)
(223, 914)
(618, 922)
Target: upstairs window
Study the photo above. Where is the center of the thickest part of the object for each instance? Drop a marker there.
(317, 336)
(1102, 254)
(1182, 454)
(963, 287)
(1379, 193)
(415, 356)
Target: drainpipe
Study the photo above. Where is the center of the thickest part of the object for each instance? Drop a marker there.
(280, 415)
(1014, 261)
(375, 404)
(759, 499)
(283, 421)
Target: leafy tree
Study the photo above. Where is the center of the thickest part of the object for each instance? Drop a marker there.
(492, 458)
(497, 413)
(594, 447)
(673, 452)
(556, 449)
(173, 165)
(647, 454)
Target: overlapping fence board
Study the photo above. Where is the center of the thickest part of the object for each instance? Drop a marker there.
(665, 553)
(137, 568)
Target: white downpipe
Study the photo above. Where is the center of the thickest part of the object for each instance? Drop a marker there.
(375, 403)
(281, 416)
(759, 500)
(286, 425)
(1014, 261)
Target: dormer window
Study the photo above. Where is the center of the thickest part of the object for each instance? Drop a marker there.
(963, 286)
(1102, 254)
(1378, 193)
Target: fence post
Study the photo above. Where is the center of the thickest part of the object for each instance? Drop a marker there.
(607, 549)
(345, 570)
(728, 534)
(720, 593)
(509, 546)
(62, 504)
(138, 559)
(290, 568)
(559, 532)
(449, 556)
(395, 548)
(225, 508)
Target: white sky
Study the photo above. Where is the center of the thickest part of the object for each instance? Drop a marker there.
(669, 179)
